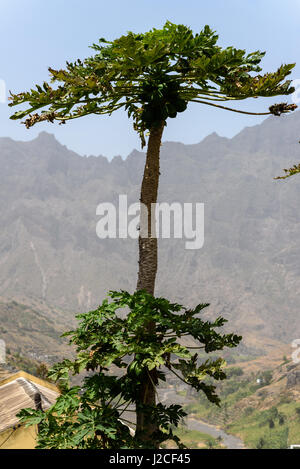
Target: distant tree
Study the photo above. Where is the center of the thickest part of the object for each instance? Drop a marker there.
(271, 423)
(42, 371)
(248, 411)
(225, 413)
(234, 371)
(274, 412)
(153, 76)
(210, 444)
(261, 443)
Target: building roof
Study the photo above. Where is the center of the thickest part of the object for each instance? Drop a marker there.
(19, 391)
(4, 374)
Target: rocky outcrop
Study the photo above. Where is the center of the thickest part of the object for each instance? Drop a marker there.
(293, 379)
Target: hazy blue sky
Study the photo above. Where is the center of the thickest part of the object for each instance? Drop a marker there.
(35, 34)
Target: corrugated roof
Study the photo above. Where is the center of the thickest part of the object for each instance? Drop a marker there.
(4, 374)
(19, 391)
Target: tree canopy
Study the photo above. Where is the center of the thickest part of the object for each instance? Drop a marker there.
(153, 76)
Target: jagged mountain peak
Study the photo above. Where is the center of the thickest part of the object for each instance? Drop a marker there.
(46, 137)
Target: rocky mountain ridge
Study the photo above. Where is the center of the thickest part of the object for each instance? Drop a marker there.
(248, 268)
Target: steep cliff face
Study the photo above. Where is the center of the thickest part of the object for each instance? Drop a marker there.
(248, 268)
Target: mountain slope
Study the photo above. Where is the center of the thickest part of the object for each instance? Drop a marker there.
(248, 268)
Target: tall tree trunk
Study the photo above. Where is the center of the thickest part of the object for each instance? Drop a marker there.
(149, 190)
(148, 265)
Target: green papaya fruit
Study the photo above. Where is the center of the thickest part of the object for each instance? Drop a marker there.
(181, 105)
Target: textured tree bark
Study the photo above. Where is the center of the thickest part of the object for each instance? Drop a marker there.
(149, 190)
(148, 265)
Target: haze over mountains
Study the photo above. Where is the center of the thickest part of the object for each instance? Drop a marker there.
(248, 268)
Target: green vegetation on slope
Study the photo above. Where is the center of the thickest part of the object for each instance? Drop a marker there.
(264, 414)
(30, 333)
(274, 428)
(193, 439)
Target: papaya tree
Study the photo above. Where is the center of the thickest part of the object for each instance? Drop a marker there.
(153, 76)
